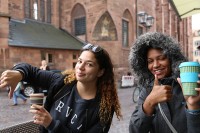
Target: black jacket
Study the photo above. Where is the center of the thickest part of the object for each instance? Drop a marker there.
(59, 93)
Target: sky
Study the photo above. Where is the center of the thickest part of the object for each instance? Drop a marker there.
(196, 21)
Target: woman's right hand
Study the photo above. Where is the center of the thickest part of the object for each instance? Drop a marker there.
(10, 78)
(159, 93)
(41, 115)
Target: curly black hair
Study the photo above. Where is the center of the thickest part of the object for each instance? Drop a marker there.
(138, 55)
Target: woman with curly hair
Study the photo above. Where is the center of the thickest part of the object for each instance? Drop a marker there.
(161, 108)
(82, 102)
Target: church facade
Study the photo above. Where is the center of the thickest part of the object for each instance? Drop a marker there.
(112, 24)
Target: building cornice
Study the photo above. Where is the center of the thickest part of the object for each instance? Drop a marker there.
(4, 15)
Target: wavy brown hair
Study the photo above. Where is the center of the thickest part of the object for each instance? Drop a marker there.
(107, 89)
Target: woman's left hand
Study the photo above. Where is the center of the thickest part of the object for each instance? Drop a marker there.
(193, 102)
(41, 115)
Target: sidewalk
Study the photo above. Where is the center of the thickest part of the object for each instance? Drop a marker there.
(125, 97)
(12, 115)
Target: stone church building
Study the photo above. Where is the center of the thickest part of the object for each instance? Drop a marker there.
(55, 30)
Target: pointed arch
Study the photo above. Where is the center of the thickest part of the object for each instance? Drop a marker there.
(78, 17)
(127, 28)
(105, 29)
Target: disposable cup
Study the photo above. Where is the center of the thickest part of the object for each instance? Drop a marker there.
(37, 98)
(189, 76)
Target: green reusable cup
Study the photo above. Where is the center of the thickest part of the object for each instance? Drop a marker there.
(189, 76)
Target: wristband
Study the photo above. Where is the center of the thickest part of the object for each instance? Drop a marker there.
(193, 112)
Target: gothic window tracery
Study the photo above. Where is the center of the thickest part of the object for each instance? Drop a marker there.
(105, 29)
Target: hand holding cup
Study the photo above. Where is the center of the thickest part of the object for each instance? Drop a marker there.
(189, 76)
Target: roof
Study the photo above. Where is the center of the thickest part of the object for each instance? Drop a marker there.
(185, 8)
(30, 33)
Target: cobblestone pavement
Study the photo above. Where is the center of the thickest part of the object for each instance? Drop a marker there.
(125, 97)
(12, 115)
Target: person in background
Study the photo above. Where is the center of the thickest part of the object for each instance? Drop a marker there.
(82, 102)
(17, 93)
(44, 65)
(155, 58)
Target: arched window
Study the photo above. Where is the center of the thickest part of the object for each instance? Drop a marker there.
(105, 29)
(79, 20)
(35, 10)
(126, 28)
(125, 34)
(38, 9)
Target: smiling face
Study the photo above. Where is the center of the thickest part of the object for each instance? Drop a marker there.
(158, 63)
(87, 69)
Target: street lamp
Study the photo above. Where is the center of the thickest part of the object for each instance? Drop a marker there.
(142, 17)
(145, 19)
(149, 21)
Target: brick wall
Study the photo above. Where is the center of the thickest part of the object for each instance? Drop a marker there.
(165, 21)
